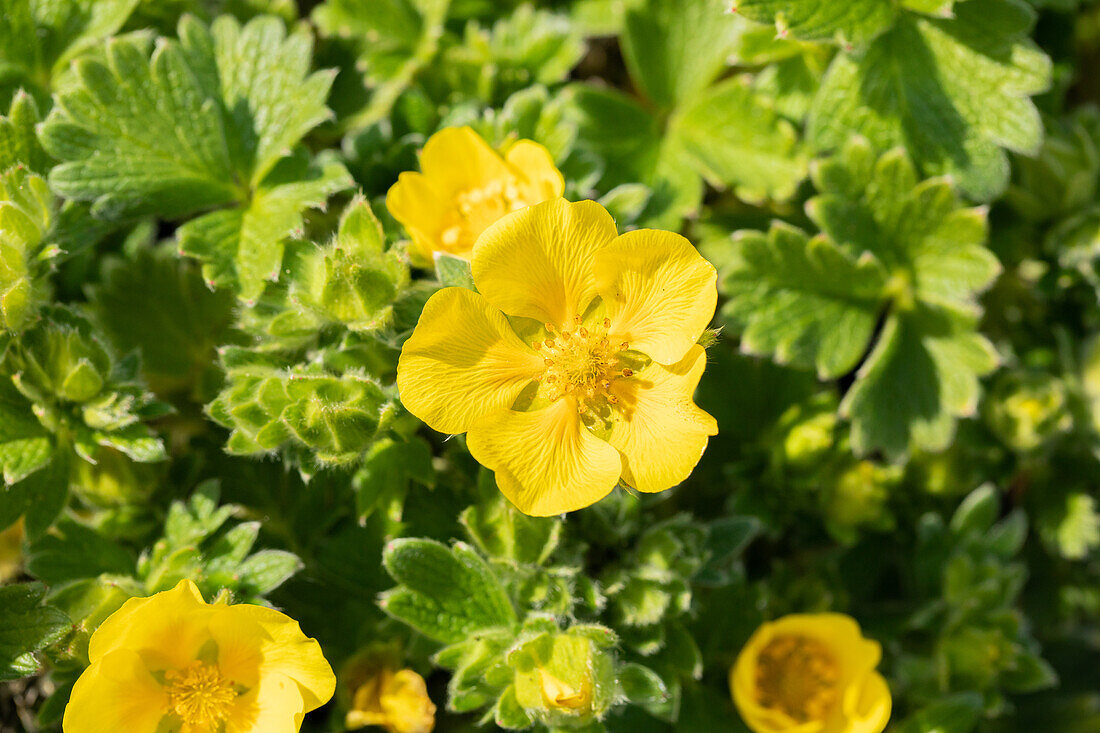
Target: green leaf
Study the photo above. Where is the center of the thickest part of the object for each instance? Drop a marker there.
(445, 593)
(18, 141)
(141, 136)
(26, 626)
(922, 375)
(206, 122)
(957, 713)
(954, 92)
(388, 470)
(25, 446)
(734, 138)
(154, 303)
(509, 714)
(676, 48)
(502, 532)
(73, 551)
(641, 685)
(26, 214)
(267, 570)
(243, 246)
(38, 40)
(803, 301)
(453, 272)
(852, 23)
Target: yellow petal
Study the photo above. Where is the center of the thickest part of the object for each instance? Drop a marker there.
(166, 629)
(537, 262)
(283, 649)
(274, 706)
(421, 208)
(456, 159)
(662, 434)
(546, 461)
(462, 361)
(659, 291)
(538, 179)
(870, 706)
(116, 693)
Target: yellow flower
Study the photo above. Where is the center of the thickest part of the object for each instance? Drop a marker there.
(465, 187)
(11, 550)
(811, 673)
(575, 363)
(174, 662)
(397, 701)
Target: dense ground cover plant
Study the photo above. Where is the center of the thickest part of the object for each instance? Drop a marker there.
(316, 316)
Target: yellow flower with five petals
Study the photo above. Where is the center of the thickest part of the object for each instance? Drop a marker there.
(465, 186)
(174, 662)
(811, 673)
(574, 364)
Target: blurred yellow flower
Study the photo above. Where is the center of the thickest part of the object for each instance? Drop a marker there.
(11, 550)
(397, 701)
(173, 662)
(465, 186)
(575, 363)
(811, 673)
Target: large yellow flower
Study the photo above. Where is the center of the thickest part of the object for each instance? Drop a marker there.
(811, 673)
(172, 662)
(575, 363)
(465, 187)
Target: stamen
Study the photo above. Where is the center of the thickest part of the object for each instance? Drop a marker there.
(549, 327)
(607, 323)
(548, 362)
(628, 372)
(566, 335)
(583, 332)
(624, 346)
(613, 399)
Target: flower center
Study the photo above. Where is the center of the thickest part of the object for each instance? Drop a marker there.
(557, 694)
(476, 209)
(583, 364)
(199, 694)
(798, 676)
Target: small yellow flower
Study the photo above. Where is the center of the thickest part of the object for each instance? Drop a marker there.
(575, 363)
(397, 701)
(811, 673)
(11, 550)
(173, 662)
(465, 187)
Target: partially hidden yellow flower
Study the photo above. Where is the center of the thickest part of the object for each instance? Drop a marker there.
(397, 701)
(811, 673)
(173, 662)
(465, 186)
(575, 363)
(11, 550)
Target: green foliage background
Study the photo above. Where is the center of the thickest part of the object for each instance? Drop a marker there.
(202, 300)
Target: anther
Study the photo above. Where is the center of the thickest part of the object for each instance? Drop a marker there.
(605, 384)
(583, 332)
(549, 327)
(548, 362)
(577, 320)
(624, 346)
(550, 343)
(537, 345)
(628, 372)
(582, 408)
(566, 335)
(607, 323)
(613, 399)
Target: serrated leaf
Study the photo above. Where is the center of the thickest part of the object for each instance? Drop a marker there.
(244, 246)
(733, 138)
(803, 301)
(445, 593)
(850, 23)
(26, 626)
(954, 92)
(206, 122)
(922, 375)
(73, 551)
(675, 48)
(266, 570)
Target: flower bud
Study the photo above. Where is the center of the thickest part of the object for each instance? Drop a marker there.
(562, 680)
(1028, 410)
(397, 701)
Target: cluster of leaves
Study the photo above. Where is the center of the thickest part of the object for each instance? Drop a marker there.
(203, 298)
